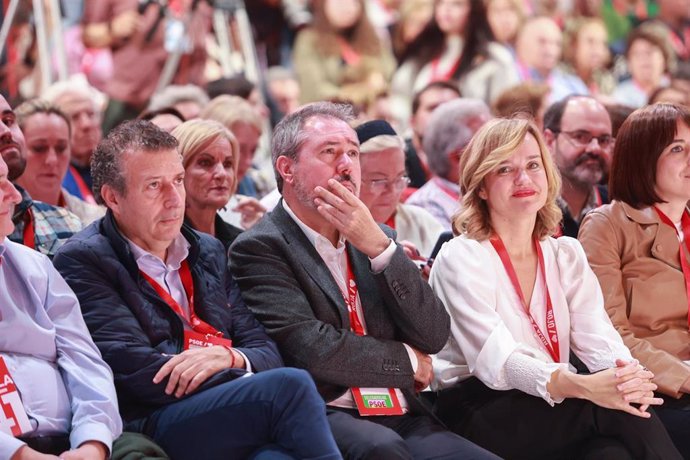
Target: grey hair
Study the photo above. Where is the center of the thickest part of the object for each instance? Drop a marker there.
(174, 94)
(288, 135)
(449, 129)
(58, 92)
(106, 163)
(382, 142)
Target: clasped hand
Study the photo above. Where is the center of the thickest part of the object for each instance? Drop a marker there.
(188, 370)
(620, 387)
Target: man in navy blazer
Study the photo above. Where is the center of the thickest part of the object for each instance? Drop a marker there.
(341, 299)
(171, 323)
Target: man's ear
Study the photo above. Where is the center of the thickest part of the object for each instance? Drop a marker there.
(549, 138)
(111, 198)
(285, 167)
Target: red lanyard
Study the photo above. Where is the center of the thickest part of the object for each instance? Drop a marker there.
(390, 222)
(351, 300)
(84, 190)
(186, 276)
(348, 53)
(29, 234)
(685, 225)
(681, 47)
(551, 344)
(437, 75)
(447, 190)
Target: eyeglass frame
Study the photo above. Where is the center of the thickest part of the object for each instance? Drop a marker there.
(570, 134)
(383, 184)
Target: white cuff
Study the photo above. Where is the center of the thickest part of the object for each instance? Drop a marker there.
(380, 262)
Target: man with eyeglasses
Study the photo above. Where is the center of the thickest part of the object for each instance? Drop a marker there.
(577, 130)
(382, 160)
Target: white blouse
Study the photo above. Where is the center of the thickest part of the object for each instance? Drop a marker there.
(492, 337)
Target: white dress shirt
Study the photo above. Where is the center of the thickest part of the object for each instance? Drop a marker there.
(167, 275)
(492, 337)
(335, 259)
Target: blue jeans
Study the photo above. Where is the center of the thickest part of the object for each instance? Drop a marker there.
(272, 414)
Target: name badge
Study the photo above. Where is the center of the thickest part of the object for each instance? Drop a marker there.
(377, 401)
(13, 419)
(193, 339)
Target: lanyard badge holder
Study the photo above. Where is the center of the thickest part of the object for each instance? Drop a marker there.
(369, 401)
(13, 418)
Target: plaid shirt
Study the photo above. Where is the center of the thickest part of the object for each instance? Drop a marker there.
(53, 225)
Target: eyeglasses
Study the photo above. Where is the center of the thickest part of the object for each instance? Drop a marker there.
(582, 138)
(379, 185)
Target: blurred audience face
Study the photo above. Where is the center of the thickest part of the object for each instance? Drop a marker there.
(451, 16)
(582, 149)
(383, 181)
(12, 144)
(342, 14)
(673, 96)
(504, 20)
(47, 156)
(646, 62)
(539, 45)
(286, 94)
(86, 125)
(209, 177)
(255, 100)
(428, 101)
(673, 168)
(189, 109)
(248, 138)
(166, 122)
(9, 197)
(591, 47)
(518, 186)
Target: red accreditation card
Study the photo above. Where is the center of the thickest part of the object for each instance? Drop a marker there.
(376, 401)
(13, 419)
(193, 339)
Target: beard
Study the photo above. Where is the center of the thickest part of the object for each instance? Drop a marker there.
(586, 174)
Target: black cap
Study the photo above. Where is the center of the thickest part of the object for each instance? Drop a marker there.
(374, 128)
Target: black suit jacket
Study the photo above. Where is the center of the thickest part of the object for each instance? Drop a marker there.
(289, 288)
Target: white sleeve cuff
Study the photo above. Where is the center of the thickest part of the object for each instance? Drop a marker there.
(247, 364)
(380, 262)
(531, 375)
(413, 357)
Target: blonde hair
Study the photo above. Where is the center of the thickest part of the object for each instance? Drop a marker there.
(229, 110)
(194, 136)
(492, 144)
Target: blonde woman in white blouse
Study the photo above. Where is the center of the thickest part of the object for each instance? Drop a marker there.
(521, 301)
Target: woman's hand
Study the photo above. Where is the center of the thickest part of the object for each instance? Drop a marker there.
(251, 211)
(616, 388)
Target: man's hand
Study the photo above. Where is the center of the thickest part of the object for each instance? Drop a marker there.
(90, 450)
(425, 372)
(27, 453)
(351, 218)
(193, 367)
(124, 24)
(251, 209)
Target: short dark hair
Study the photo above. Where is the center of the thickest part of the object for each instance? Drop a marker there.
(641, 139)
(288, 136)
(106, 163)
(554, 114)
(416, 100)
(237, 85)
